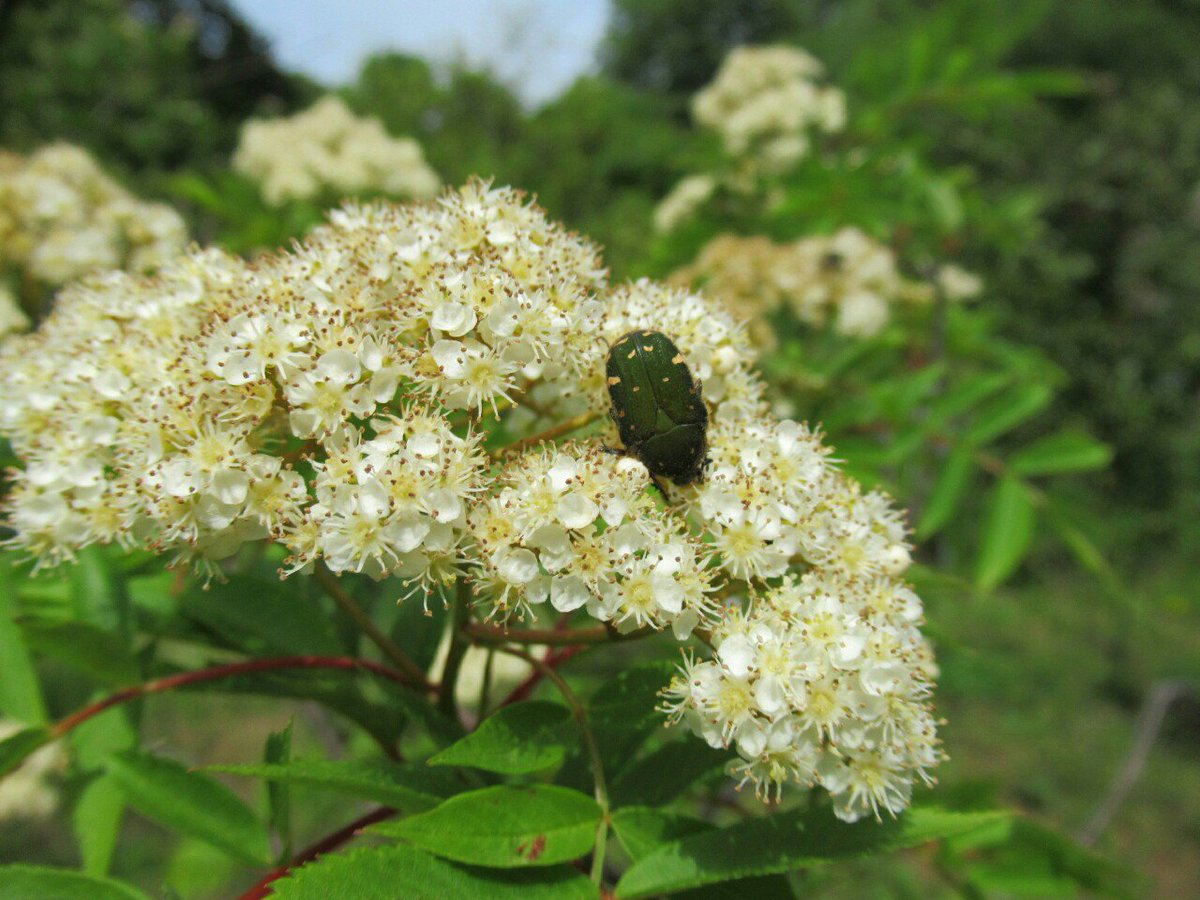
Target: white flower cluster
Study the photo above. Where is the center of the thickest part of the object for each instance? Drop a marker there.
(182, 412)
(575, 526)
(846, 278)
(26, 793)
(392, 504)
(328, 148)
(771, 497)
(61, 217)
(824, 680)
(773, 503)
(335, 399)
(766, 101)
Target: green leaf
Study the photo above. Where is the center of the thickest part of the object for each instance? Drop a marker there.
(195, 868)
(278, 751)
(1007, 532)
(1051, 82)
(627, 701)
(782, 842)
(443, 729)
(904, 444)
(1065, 451)
(336, 690)
(416, 631)
(192, 186)
(45, 883)
(95, 741)
(621, 715)
(666, 773)
(277, 622)
(949, 489)
(1020, 880)
(51, 593)
(97, 595)
(16, 747)
(1034, 860)
(412, 787)
(900, 396)
(1086, 552)
(20, 693)
(945, 204)
(191, 803)
(862, 452)
(97, 653)
(153, 597)
(515, 740)
(1006, 412)
(97, 822)
(965, 396)
(505, 826)
(385, 873)
(1085, 867)
(766, 887)
(641, 830)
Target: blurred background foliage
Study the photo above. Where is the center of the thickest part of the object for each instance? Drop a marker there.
(1046, 437)
(148, 86)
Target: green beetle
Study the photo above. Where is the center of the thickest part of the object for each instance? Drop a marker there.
(657, 407)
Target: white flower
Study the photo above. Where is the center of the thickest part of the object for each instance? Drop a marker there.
(516, 566)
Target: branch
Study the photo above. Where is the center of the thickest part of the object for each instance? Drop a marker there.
(1150, 720)
(348, 605)
(216, 673)
(573, 424)
(326, 844)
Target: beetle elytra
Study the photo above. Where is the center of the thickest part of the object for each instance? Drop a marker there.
(657, 406)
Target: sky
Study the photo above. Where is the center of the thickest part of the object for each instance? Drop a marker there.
(536, 46)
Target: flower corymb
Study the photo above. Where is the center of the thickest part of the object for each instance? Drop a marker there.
(764, 102)
(62, 217)
(388, 399)
(846, 280)
(330, 149)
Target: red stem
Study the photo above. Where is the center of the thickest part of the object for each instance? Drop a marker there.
(324, 845)
(216, 673)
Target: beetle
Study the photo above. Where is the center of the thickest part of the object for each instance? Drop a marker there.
(657, 406)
